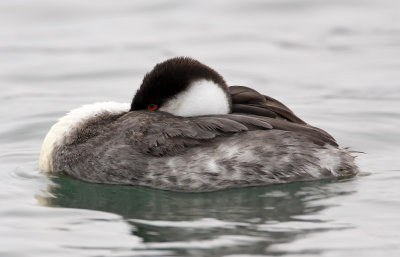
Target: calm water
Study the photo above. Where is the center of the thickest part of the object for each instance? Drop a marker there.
(336, 63)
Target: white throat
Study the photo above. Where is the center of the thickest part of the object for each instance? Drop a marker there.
(202, 97)
(70, 123)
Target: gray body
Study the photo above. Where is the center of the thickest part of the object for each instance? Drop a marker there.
(204, 153)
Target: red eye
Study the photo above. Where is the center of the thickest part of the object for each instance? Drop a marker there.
(152, 107)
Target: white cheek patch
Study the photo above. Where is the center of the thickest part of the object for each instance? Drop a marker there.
(202, 97)
(69, 123)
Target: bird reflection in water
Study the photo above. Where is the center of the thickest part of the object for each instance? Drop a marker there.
(162, 217)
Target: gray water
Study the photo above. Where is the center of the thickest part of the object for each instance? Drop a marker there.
(336, 63)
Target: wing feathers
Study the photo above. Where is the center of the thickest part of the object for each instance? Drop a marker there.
(165, 134)
(248, 101)
(175, 133)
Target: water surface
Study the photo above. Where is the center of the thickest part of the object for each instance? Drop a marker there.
(335, 63)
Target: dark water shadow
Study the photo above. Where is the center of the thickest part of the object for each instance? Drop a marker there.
(242, 211)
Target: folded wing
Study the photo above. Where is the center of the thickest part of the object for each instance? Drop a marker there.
(161, 133)
(248, 101)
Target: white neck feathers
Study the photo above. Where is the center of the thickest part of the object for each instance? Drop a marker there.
(202, 97)
(69, 123)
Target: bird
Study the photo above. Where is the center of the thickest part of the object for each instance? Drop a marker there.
(187, 130)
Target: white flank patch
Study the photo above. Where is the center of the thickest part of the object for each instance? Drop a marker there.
(69, 123)
(329, 159)
(203, 97)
